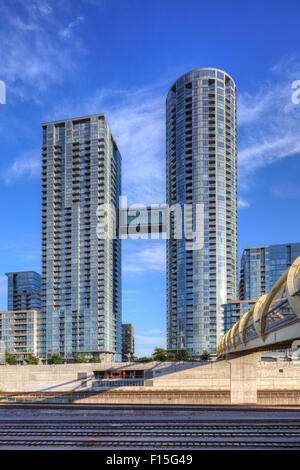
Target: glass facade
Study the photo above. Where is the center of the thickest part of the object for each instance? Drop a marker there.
(24, 290)
(18, 330)
(127, 342)
(233, 311)
(262, 266)
(202, 168)
(81, 274)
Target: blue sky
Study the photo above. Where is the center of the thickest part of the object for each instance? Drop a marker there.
(74, 57)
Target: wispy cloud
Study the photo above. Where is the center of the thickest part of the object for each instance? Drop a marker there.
(67, 32)
(269, 121)
(145, 344)
(34, 55)
(269, 126)
(251, 108)
(242, 204)
(26, 166)
(149, 258)
(137, 120)
(285, 191)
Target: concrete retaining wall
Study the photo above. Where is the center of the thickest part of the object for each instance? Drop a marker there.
(67, 377)
(218, 376)
(278, 376)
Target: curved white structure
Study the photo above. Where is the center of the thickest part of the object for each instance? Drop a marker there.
(273, 322)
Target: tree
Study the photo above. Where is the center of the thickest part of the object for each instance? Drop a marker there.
(205, 356)
(10, 359)
(160, 354)
(55, 359)
(32, 360)
(94, 360)
(182, 355)
(143, 359)
(79, 359)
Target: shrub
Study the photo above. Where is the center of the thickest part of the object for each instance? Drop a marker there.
(55, 359)
(79, 359)
(205, 356)
(160, 354)
(10, 359)
(182, 355)
(32, 360)
(94, 360)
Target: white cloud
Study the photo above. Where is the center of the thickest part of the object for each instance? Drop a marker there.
(285, 191)
(151, 258)
(251, 108)
(67, 32)
(33, 53)
(155, 332)
(139, 128)
(269, 129)
(27, 166)
(137, 121)
(154, 258)
(243, 204)
(145, 344)
(269, 121)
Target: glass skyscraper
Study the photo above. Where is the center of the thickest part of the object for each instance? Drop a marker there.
(81, 274)
(24, 291)
(262, 266)
(234, 310)
(202, 169)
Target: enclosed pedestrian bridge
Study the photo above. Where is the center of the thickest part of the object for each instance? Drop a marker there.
(272, 323)
(143, 220)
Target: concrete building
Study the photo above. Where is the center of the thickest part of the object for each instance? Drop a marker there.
(262, 266)
(18, 330)
(202, 169)
(81, 273)
(24, 290)
(127, 342)
(233, 311)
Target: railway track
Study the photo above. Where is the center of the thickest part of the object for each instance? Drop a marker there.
(149, 444)
(19, 404)
(200, 429)
(159, 434)
(145, 427)
(152, 434)
(169, 422)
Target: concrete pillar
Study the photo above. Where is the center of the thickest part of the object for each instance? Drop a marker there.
(243, 377)
(148, 378)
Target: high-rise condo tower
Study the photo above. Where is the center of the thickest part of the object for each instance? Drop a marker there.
(81, 274)
(202, 169)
